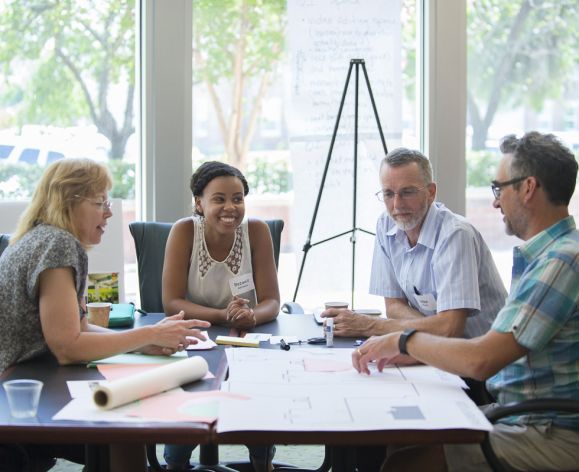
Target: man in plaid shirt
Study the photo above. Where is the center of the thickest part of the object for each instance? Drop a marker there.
(532, 349)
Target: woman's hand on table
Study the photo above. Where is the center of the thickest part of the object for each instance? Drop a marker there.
(240, 315)
(174, 332)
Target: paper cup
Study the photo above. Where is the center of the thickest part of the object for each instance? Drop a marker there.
(23, 396)
(98, 313)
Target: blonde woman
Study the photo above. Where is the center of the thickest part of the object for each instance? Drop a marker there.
(43, 276)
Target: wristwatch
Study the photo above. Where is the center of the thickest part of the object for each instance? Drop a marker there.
(404, 337)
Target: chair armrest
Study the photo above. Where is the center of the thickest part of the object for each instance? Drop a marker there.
(542, 404)
(292, 308)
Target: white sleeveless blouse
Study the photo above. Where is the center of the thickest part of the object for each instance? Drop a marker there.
(208, 281)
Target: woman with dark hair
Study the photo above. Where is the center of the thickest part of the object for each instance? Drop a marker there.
(208, 255)
(216, 245)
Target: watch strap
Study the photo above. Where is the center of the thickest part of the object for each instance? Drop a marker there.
(404, 337)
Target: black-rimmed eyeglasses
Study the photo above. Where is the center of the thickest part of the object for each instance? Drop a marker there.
(496, 186)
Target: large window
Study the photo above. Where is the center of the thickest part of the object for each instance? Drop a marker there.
(523, 75)
(247, 57)
(67, 75)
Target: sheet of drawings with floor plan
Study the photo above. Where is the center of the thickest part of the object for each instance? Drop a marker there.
(319, 390)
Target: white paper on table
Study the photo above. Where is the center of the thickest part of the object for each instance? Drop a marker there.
(258, 336)
(287, 339)
(175, 405)
(137, 358)
(118, 392)
(201, 345)
(82, 388)
(335, 412)
(84, 409)
(319, 390)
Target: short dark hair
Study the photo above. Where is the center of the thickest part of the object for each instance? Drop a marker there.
(208, 171)
(544, 157)
(403, 156)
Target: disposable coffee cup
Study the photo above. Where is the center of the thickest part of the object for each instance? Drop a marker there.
(23, 396)
(98, 313)
(329, 305)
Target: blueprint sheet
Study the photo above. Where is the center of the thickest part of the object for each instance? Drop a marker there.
(319, 390)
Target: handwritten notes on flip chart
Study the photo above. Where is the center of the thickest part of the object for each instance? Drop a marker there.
(323, 37)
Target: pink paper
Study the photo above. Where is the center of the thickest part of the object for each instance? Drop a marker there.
(201, 407)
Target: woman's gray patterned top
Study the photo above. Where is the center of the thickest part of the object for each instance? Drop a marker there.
(43, 247)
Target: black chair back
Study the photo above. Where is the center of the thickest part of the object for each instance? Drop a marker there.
(4, 238)
(150, 241)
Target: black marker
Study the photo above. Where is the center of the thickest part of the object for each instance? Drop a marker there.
(416, 291)
(283, 345)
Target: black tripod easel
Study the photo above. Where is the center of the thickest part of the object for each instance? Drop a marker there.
(308, 245)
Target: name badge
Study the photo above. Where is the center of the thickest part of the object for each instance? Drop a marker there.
(241, 284)
(426, 302)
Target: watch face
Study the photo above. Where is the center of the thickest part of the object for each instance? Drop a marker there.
(404, 339)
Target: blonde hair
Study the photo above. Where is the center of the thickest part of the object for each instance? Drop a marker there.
(57, 194)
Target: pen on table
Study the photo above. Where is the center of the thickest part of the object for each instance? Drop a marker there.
(142, 312)
(283, 345)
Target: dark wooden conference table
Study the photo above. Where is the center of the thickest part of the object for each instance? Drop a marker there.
(55, 395)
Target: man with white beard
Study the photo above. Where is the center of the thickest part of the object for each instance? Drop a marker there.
(432, 267)
(532, 349)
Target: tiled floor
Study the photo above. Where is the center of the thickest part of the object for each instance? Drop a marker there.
(302, 456)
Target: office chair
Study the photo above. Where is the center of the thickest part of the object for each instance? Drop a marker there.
(4, 238)
(528, 406)
(150, 242)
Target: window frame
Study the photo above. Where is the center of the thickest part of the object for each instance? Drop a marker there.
(164, 58)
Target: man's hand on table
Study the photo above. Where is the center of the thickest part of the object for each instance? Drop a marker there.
(348, 323)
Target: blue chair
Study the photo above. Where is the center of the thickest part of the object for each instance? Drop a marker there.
(4, 239)
(150, 240)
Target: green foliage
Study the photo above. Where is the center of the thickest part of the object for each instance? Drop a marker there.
(60, 60)
(265, 174)
(481, 167)
(520, 53)
(218, 29)
(409, 41)
(18, 181)
(123, 179)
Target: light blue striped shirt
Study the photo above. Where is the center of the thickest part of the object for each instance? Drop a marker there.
(451, 261)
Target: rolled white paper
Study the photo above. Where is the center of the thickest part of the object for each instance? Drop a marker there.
(118, 392)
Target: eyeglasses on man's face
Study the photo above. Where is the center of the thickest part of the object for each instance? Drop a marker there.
(407, 193)
(104, 205)
(496, 186)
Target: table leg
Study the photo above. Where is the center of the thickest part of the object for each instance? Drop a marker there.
(343, 459)
(125, 457)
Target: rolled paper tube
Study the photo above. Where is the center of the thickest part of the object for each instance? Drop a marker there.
(112, 394)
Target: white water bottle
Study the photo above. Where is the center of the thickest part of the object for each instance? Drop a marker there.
(329, 332)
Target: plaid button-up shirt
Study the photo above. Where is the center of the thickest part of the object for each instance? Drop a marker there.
(542, 312)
